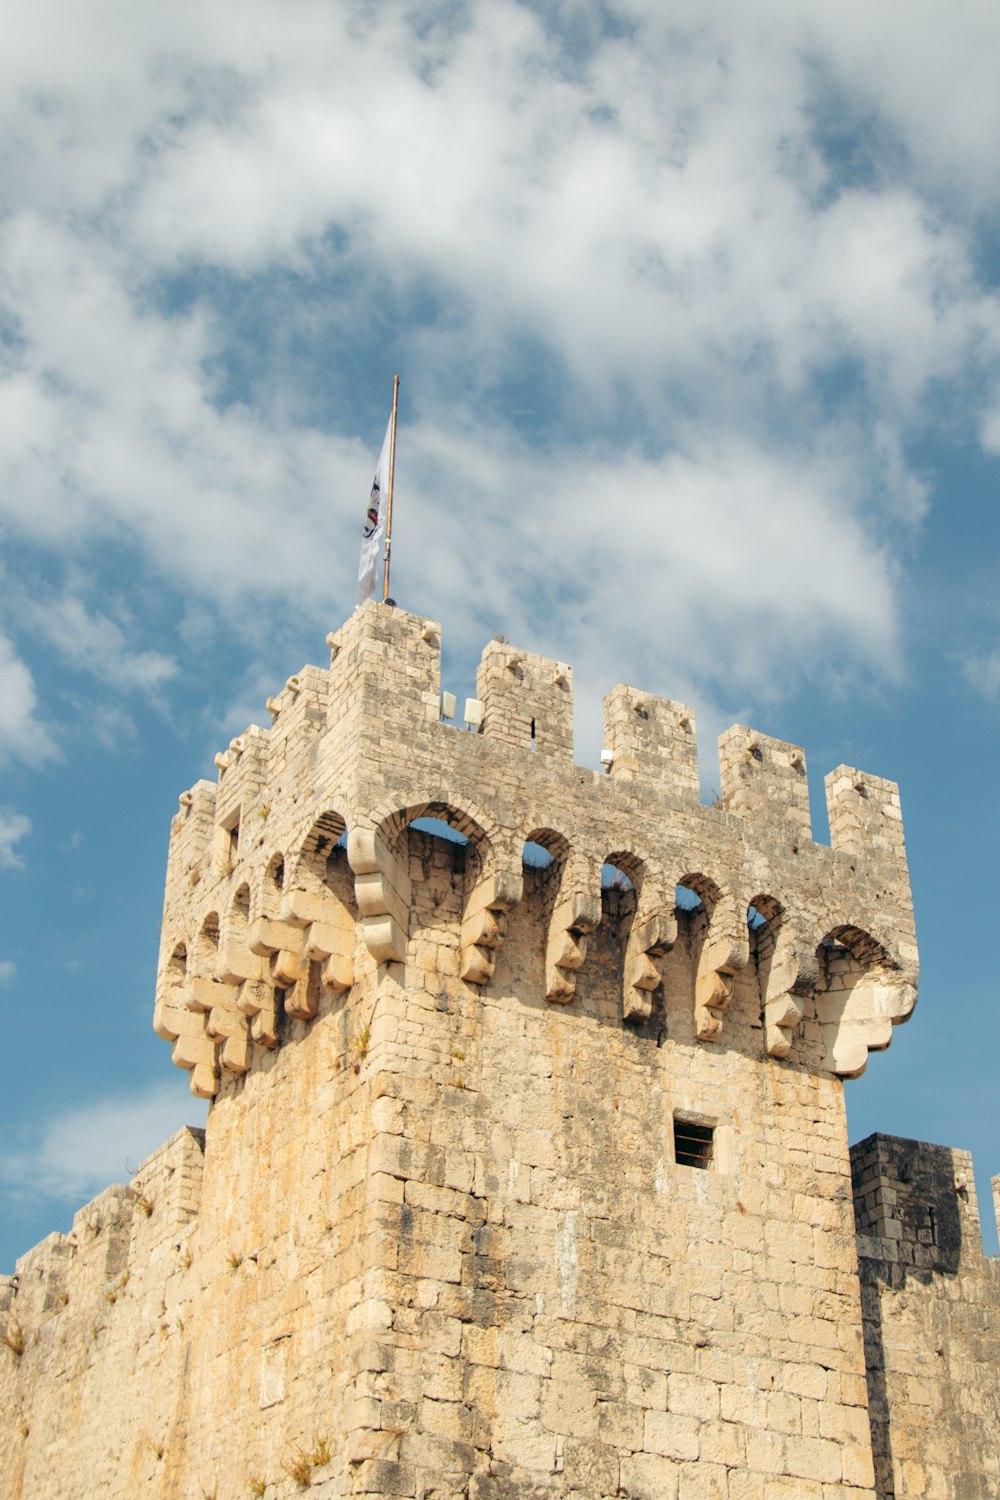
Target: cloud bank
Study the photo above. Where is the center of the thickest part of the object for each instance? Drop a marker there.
(674, 291)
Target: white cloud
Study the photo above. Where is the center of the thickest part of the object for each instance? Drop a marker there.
(22, 736)
(97, 643)
(657, 216)
(82, 1150)
(8, 971)
(14, 827)
(982, 672)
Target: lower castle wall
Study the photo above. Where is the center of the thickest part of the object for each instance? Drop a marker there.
(443, 1251)
(931, 1303)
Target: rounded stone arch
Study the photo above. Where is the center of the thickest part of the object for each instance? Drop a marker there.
(320, 862)
(462, 813)
(545, 857)
(239, 907)
(204, 951)
(555, 844)
(236, 919)
(631, 865)
(866, 951)
(764, 910)
(765, 916)
(486, 841)
(171, 989)
(640, 869)
(326, 833)
(705, 891)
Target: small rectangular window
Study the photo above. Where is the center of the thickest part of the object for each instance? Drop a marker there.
(693, 1144)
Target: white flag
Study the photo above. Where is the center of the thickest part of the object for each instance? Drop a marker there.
(373, 530)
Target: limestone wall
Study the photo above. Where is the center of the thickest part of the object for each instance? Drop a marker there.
(440, 1244)
(931, 1304)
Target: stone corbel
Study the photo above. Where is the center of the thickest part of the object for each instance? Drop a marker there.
(650, 938)
(724, 952)
(484, 923)
(576, 913)
(329, 933)
(382, 890)
(255, 998)
(284, 948)
(197, 1053)
(224, 1023)
(791, 978)
(192, 1049)
(859, 1020)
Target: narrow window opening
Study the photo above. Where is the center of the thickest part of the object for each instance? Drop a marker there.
(693, 1143)
(932, 1224)
(532, 734)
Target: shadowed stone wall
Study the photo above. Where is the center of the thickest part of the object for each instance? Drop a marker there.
(931, 1303)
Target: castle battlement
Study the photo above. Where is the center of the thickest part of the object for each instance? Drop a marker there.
(271, 911)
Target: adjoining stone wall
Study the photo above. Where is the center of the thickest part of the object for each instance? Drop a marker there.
(92, 1376)
(931, 1303)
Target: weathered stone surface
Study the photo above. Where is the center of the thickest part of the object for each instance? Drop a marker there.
(931, 1303)
(444, 1240)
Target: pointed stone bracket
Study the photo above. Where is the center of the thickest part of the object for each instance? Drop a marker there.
(651, 937)
(285, 949)
(725, 951)
(329, 933)
(192, 1048)
(791, 978)
(859, 1020)
(576, 913)
(383, 893)
(224, 1023)
(484, 924)
(255, 998)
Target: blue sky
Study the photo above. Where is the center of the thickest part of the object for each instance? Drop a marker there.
(696, 313)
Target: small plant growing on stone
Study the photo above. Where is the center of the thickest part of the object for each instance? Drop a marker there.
(359, 1045)
(299, 1468)
(13, 1337)
(234, 1261)
(320, 1453)
(144, 1204)
(257, 1485)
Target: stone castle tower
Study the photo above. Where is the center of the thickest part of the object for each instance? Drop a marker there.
(518, 1183)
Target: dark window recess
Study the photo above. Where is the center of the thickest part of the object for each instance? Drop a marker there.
(692, 1144)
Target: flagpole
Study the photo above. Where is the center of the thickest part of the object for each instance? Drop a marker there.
(388, 500)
